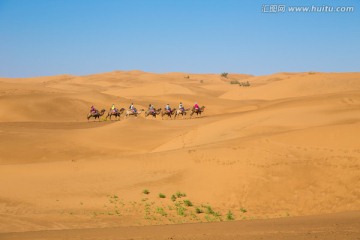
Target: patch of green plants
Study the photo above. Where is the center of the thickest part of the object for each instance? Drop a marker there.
(209, 209)
(217, 214)
(146, 191)
(181, 211)
(161, 211)
(243, 210)
(173, 198)
(209, 218)
(188, 203)
(161, 195)
(180, 194)
(229, 216)
(234, 82)
(198, 210)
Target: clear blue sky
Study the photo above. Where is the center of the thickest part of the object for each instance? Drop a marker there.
(49, 37)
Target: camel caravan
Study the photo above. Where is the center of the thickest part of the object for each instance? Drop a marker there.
(166, 112)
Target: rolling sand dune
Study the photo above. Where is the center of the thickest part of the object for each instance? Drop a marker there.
(265, 155)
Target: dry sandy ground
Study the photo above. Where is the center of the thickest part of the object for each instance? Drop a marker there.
(334, 226)
(287, 146)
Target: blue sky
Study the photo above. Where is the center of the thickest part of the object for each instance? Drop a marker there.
(50, 37)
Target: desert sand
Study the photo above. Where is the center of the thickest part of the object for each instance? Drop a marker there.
(277, 159)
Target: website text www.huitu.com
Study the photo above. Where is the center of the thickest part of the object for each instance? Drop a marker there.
(281, 8)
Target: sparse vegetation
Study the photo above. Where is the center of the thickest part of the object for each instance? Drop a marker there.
(198, 210)
(188, 203)
(209, 209)
(217, 214)
(161, 211)
(180, 194)
(180, 210)
(230, 216)
(243, 210)
(241, 84)
(224, 74)
(244, 84)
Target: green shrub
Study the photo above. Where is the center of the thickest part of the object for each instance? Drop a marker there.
(224, 74)
(188, 203)
(161, 211)
(198, 210)
(230, 216)
(209, 210)
(162, 195)
(180, 194)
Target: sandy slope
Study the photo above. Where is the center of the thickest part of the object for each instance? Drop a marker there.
(285, 146)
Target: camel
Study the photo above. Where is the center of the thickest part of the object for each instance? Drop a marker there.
(180, 112)
(153, 113)
(130, 112)
(167, 113)
(193, 110)
(96, 114)
(117, 113)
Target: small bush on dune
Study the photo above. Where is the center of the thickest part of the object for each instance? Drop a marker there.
(145, 191)
(224, 74)
(180, 194)
(243, 210)
(188, 203)
(162, 195)
(180, 210)
(209, 210)
(230, 216)
(198, 210)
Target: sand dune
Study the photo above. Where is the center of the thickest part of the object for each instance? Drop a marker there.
(286, 146)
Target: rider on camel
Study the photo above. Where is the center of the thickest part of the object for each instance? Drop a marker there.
(196, 107)
(113, 108)
(151, 108)
(168, 108)
(132, 108)
(93, 110)
(181, 107)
